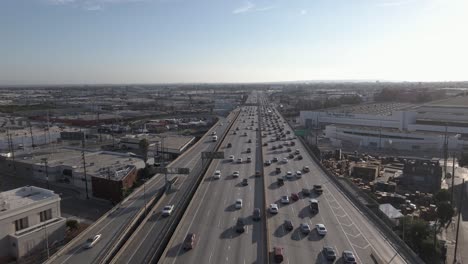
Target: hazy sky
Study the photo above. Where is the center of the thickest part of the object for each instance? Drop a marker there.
(158, 41)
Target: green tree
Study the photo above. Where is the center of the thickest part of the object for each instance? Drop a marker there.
(442, 196)
(445, 213)
(144, 145)
(72, 224)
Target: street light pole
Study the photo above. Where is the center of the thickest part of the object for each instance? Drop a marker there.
(47, 241)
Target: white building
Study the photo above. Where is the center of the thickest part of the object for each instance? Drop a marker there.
(408, 130)
(30, 221)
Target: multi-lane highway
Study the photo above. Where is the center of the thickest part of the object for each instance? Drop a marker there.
(347, 228)
(213, 215)
(146, 240)
(111, 225)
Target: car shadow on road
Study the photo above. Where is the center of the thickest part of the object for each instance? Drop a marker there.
(176, 250)
(297, 234)
(229, 233)
(305, 212)
(314, 236)
(230, 208)
(273, 186)
(280, 231)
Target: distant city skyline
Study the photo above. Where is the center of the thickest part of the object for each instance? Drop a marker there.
(208, 41)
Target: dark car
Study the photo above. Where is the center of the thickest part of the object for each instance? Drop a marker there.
(288, 225)
(249, 150)
(299, 157)
(294, 196)
(348, 257)
(258, 174)
(280, 146)
(329, 253)
(280, 181)
(256, 214)
(290, 156)
(245, 182)
(229, 145)
(288, 150)
(273, 148)
(250, 141)
(189, 241)
(305, 191)
(240, 225)
(318, 189)
(278, 170)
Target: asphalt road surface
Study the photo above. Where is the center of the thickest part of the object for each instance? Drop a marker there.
(212, 215)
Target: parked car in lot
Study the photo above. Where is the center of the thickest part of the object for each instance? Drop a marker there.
(280, 181)
(239, 160)
(329, 253)
(90, 242)
(231, 158)
(258, 174)
(229, 145)
(305, 191)
(267, 162)
(278, 170)
(306, 169)
(235, 174)
(275, 159)
(284, 199)
(285, 160)
(189, 241)
(299, 157)
(289, 175)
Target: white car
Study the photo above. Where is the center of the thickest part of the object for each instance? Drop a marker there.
(217, 174)
(289, 175)
(305, 228)
(235, 174)
(284, 199)
(306, 169)
(273, 208)
(231, 158)
(285, 160)
(239, 160)
(167, 210)
(238, 204)
(213, 133)
(90, 242)
(298, 174)
(321, 229)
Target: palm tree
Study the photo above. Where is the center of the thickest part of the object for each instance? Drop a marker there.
(144, 145)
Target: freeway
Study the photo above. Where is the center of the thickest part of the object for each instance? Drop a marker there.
(347, 228)
(112, 225)
(212, 214)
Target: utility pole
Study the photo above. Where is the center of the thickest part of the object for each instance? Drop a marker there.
(445, 150)
(460, 204)
(47, 241)
(453, 180)
(84, 167)
(32, 137)
(46, 171)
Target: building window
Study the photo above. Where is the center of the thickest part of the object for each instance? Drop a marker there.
(21, 224)
(45, 215)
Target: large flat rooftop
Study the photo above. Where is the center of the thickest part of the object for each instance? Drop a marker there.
(22, 197)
